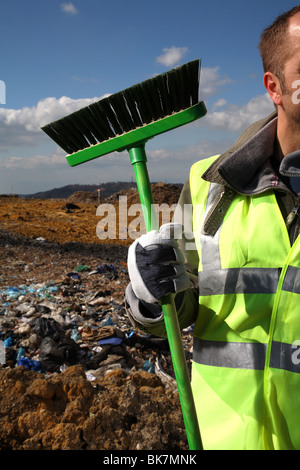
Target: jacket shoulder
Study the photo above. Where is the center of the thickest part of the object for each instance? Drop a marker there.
(198, 168)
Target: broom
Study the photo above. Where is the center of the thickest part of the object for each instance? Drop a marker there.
(126, 121)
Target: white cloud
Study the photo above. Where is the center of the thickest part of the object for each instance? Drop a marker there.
(219, 103)
(37, 161)
(22, 127)
(185, 156)
(69, 8)
(235, 118)
(172, 56)
(211, 80)
(26, 152)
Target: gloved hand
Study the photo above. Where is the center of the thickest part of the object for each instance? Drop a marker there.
(156, 264)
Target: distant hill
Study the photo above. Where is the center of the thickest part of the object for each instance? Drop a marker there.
(107, 189)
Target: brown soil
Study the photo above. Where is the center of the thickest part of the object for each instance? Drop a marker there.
(67, 412)
(54, 221)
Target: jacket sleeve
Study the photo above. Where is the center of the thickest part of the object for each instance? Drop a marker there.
(149, 317)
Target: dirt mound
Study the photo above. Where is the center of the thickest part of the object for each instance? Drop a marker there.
(67, 412)
(125, 192)
(57, 220)
(162, 194)
(83, 196)
(166, 193)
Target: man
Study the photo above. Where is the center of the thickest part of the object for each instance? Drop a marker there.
(245, 305)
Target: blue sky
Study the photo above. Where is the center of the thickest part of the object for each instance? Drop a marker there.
(57, 57)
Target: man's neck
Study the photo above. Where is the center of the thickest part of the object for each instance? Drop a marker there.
(287, 139)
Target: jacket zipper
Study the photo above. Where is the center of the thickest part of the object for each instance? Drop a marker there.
(292, 215)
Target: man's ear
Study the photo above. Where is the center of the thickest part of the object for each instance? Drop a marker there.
(273, 87)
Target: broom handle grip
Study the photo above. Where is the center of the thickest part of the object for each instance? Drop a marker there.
(139, 161)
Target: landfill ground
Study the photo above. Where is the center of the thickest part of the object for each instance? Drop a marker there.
(75, 374)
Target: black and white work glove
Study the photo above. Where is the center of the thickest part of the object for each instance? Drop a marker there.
(156, 264)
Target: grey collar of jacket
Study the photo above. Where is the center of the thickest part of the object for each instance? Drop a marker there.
(290, 165)
(245, 167)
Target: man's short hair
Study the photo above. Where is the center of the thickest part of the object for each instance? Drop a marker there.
(273, 46)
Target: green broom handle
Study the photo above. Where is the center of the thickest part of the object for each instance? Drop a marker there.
(139, 161)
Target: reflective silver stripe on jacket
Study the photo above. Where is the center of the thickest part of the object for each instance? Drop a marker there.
(247, 281)
(233, 355)
(246, 355)
(210, 252)
(292, 280)
(238, 281)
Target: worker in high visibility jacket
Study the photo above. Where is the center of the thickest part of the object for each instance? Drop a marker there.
(235, 269)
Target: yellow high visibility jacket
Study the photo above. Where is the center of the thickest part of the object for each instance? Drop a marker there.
(246, 360)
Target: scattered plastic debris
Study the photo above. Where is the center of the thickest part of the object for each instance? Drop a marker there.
(65, 313)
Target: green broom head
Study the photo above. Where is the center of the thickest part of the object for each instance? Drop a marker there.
(132, 116)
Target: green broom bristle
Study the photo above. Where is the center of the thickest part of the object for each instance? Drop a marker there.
(127, 110)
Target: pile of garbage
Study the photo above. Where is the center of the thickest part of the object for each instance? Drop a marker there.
(63, 326)
(49, 326)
